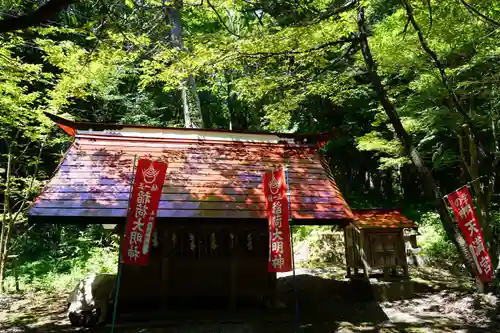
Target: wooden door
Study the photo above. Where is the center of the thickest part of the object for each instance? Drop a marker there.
(213, 260)
(383, 249)
(195, 261)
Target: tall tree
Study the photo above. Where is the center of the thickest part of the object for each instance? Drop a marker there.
(480, 163)
(189, 95)
(425, 174)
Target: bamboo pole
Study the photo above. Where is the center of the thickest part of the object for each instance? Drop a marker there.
(118, 276)
(295, 292)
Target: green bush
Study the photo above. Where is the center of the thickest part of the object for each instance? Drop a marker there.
(49, 274)
(436, 247)
(302, 232)
(55, 259)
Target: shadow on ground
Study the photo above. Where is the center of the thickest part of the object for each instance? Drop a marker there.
(324, 305)
(447, 277)
(325, 302)
(321, 304)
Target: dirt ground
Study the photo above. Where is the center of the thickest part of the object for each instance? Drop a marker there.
(327, 303)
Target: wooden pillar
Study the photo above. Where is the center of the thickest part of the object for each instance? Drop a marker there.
(14, 258)
(233, 291)
(234, 271)
(387, 258)
(164, 280)
(405, 270)
(272, 289)
(362, 255)
(165, 244)
(346, 251)
(401, 248)
(120, 230)
(386, 273)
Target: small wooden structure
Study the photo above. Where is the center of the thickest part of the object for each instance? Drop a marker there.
(211, 235)
(375, 241)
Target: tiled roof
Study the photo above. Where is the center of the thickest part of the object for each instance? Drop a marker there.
(205, 178)
(381, 218)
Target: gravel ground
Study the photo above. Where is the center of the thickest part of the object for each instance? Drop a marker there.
(446, 310)
(326, 304)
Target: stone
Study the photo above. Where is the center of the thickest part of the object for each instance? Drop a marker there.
(392, 290)
(90, 300)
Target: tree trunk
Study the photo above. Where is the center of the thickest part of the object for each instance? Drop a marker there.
(6, 225)
(231, 102)
(474, 173)
(3, 262)
(490, 188)
(481, 190)
(2, 259)
(425, 174)
(388, 186)
(9, 217)
(190, 100)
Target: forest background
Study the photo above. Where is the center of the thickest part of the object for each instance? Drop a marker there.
(409, 90)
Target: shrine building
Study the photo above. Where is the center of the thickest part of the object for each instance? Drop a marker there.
(211, 235)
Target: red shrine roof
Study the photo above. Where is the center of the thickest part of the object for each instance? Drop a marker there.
(211, 174)
(381, 218)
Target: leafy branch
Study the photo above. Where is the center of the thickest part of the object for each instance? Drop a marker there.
(440, 66)
(474, 11)
(334, 12)
(221, 20)
(313, 49)
(44, 13)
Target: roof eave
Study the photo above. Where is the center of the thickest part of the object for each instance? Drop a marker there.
(343, 222)
(70, 127)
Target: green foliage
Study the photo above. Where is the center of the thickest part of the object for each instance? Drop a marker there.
(302, 232)
(52, 274)
(432, 239)
(325, 246)
(374, 141)
(55, 258)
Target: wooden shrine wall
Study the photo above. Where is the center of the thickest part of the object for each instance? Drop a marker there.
(207, 260)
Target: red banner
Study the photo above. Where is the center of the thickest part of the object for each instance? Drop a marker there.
(275, 189)
(463, 208)
(143, 206)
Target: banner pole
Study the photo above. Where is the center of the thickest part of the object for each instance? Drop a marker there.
(461, 187)
(295, 292)
(119, 273)
(118, 278)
